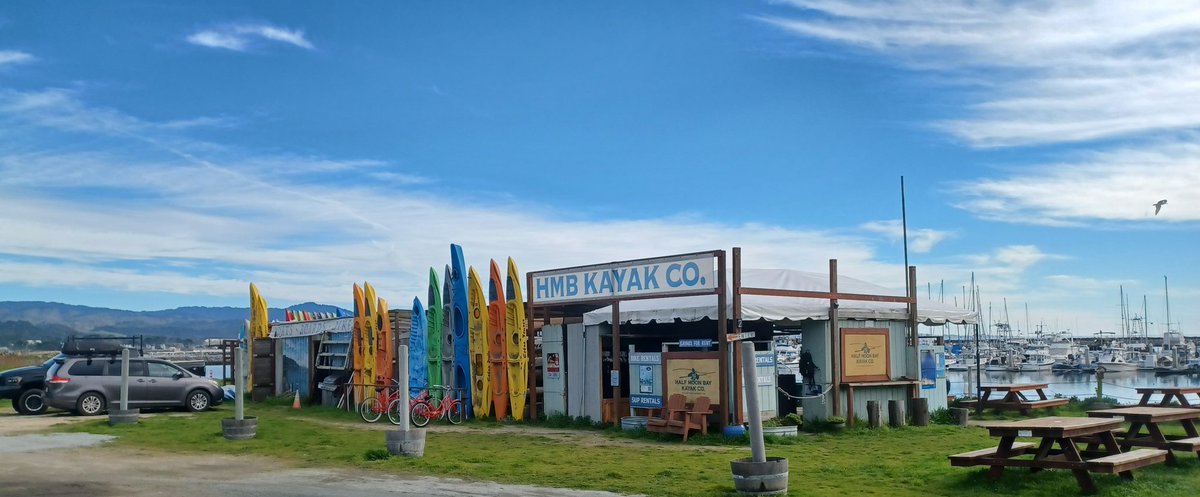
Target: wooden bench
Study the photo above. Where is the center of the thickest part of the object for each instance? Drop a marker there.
(1127, 461)
(1023, 406)
(973, 458)
(1186, 444)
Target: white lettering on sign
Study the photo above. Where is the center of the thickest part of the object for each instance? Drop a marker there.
(663, 276)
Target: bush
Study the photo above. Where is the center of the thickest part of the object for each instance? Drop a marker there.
(941, 417)
(377, 455)
(835, 420)
(792, 419)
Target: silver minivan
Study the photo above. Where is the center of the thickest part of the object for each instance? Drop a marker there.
(90, 385)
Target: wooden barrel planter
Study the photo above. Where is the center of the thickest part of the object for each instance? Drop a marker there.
(633, 423)
(409, 443)
(240, 429)
(760, 478)
(126, 417)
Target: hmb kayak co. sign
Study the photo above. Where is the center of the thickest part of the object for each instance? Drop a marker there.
(663, 276)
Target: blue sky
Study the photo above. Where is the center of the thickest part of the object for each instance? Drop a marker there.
(158, 154)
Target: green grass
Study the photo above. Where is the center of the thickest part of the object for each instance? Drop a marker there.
(579, 454)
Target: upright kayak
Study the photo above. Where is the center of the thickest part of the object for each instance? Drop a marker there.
(433, 337)
(518, 340)
(481, 395)
(359, 343)
(370, 337)
(447, 331)
(418, 368)
(384, 349)
(458, 326)
(497, 338)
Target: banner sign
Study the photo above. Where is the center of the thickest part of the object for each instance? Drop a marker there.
(865, 354)
(647, 368)
(687, 274)
(695, 343)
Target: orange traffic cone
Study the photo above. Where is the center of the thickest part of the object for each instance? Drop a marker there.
(296, 402)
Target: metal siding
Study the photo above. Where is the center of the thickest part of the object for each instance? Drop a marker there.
(295, 364)
(814, 337)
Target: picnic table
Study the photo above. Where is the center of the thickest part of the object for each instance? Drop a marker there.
(1152, 420)
(1178, 394)
(1064, 432)
(1015, 397)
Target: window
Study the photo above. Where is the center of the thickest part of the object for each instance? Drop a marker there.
(136, 368)
(162, 370)
(91, 367)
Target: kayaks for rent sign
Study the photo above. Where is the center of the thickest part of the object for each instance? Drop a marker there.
(645, 277)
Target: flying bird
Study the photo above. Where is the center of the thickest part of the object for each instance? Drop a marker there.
(1158, 206)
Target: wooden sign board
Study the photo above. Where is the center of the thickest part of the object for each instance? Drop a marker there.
(866, 355)
(693, 374)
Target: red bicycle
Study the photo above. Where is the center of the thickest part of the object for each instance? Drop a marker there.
(386, 400)
(450, 408)
(393, 407)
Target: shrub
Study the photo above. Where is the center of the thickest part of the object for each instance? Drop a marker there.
(835, 420)
(377, 455)
(792, 419)
(941, 417)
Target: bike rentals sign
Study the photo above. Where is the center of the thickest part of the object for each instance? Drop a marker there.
(663, 276)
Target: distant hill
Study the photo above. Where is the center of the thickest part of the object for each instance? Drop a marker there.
(52, 321)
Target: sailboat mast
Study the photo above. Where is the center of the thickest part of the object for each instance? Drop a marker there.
(1167, 293)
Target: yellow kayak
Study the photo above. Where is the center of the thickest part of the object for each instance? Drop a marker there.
(481, 385)
(518, 339)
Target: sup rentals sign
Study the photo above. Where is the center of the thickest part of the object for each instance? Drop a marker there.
(662, 276)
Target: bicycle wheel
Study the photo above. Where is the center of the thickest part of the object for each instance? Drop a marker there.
(393, 410)
(419, 414)
(454, 414)
(371, 409)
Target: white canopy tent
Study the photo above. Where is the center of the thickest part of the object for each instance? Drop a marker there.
(785, 309)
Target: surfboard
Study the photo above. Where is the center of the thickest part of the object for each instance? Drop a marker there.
(259, 328)
(497, 355)
(370, 336)
(481, 394)
(418, 368)
(459, 323)
(359, 345)
(518, 339)
(447, 330)
(383, 346)
(433, 337)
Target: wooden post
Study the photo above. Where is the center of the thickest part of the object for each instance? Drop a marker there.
(873, 414)
(835, 338)
(738, 362)
(531, 374)
(895, 413)
(920, 411)
(722, 341)
(914, 340)
(616, 362)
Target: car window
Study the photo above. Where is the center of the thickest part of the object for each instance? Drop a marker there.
(53, 370)
(87, 368)
(161, 370)
(136, 368)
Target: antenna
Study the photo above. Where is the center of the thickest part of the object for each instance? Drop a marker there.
(904, 231)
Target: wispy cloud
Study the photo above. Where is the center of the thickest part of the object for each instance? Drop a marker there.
(243, 37)
(1051, 71)
(8, 57)
(920, 240)
(1116, 185)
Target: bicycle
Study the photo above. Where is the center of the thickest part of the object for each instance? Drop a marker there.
(393, 409)
(372, 408)
(450, 408)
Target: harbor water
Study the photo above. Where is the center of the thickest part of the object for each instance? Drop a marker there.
(1118, 385)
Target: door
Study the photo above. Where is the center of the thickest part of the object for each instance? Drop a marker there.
(163, 383)
(112, 383)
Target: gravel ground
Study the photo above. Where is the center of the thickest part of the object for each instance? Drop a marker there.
(68, 465)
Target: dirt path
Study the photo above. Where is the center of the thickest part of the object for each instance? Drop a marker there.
(69, 465)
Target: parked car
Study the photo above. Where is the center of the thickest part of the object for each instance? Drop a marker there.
(90, 385)
(26, 387)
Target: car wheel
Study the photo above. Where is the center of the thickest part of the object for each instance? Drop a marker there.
(17, 407)
(90, 404)
(198, 401)
(32, 401)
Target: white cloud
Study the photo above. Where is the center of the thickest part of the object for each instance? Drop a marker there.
(920, 240)
(243, 37)
(1050, 72)
(1118, 186)
(14, 57)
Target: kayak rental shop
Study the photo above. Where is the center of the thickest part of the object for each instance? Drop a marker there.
(673, 321)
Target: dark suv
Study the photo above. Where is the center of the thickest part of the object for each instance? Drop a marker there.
(26, 387)
(90, 385)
